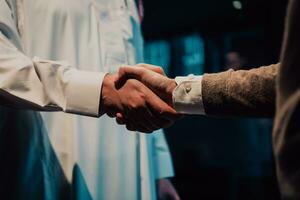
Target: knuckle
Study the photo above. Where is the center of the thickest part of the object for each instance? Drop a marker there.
(130, 82)
(134, 105)
(160, 70)
(142, 96)
(137, 102)
(140, 64)
(130, 127)
(133, 83)
(122, 69)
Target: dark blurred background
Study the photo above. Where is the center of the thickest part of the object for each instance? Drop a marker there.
(217, 158)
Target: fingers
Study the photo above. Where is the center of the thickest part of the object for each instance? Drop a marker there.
(133, 125)
(158, 83)
(151, 126)
(143, 121)
(153, 68)
(150, 122)
(138, 72)
(128, 72)
(148, 118)
(140, 119)
(142, 109)
(120, 119)
(163, 113)
(161, 108)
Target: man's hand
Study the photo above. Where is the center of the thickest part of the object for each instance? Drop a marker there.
(141, 109)
(152, 77)
(166, 190)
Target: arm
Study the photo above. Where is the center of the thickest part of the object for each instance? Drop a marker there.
(248, 93)
(41, 84)
(240, 93)
(230, 93)
(46, 85)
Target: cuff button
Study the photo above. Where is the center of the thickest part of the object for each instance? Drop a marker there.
(188, 88)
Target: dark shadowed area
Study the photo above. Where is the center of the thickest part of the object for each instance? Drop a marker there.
(217, 158)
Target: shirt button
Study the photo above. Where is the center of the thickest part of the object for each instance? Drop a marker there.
(188, 88)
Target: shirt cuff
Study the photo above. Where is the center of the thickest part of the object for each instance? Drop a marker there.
(187, 96)
(83, 93)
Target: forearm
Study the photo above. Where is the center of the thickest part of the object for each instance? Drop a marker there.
(249, 93)
(42, 85)
(232, 93)
(46, 85)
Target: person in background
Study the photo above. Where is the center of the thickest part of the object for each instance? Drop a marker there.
(234, 60)
(267, 91)
(115, 163)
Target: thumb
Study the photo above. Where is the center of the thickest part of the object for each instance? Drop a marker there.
(153, 68)
(128, 72)
(137, 72)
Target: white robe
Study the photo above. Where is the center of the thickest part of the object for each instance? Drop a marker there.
(100, 159)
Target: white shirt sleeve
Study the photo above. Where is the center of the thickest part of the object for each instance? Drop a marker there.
(187, 96)
(162, 156)
(43, 85)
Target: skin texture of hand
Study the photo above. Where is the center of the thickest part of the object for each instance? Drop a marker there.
(138, 105)
(152, 77)
(166, 190)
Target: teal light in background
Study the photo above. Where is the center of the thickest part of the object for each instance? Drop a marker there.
(158, 53)
(181, 56)
(193, 55)
(188, 55)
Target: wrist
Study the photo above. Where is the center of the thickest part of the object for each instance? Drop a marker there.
(108, 87)
(169, 90)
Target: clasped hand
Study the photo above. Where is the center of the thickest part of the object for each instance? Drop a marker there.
(139, 97)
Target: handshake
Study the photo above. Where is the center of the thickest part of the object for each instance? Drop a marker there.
(139, 97)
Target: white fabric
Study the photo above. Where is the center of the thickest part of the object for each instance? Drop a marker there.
(42, 84)
(100, 158)
(187, 96)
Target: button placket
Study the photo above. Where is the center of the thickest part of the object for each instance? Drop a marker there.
(111, 36)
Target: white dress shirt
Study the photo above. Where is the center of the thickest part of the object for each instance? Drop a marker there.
(187, 96)
(36, 83)
(53, 56)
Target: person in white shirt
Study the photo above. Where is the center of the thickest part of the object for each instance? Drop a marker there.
(55, 56)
